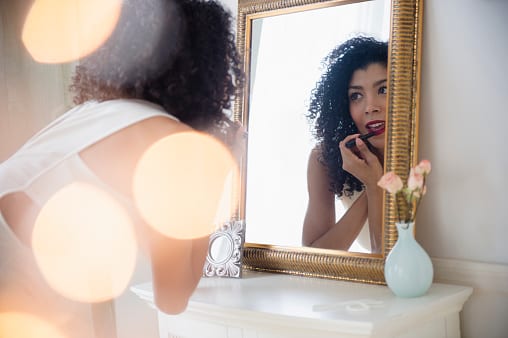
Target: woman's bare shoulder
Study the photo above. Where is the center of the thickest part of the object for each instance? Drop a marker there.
(115, 157)
(158, 126)
(316, 158)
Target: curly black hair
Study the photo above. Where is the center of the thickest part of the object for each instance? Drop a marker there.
(329, 105)
(179, 54)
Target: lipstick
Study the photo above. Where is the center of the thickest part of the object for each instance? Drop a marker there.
(352, 143)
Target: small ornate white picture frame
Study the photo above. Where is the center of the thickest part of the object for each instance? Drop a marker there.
(224, 258)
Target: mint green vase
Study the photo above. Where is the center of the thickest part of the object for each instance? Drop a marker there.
(408, 268)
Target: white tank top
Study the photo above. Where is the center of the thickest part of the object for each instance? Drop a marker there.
(362, 241)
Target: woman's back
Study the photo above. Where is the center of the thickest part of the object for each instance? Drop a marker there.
(90, 148)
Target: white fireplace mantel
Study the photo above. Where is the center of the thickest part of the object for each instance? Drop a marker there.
(278, 305)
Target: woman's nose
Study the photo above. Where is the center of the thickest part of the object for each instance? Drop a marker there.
(372, 108)
(373, 105)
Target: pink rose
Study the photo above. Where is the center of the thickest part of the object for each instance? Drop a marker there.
(390, 182)
(415, 180)
(423, 167)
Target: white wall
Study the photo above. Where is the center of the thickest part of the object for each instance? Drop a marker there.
(464, 111)
(463, 115)
(31, 94)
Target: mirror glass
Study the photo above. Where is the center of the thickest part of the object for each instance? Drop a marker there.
(220, 249)
(286, 55)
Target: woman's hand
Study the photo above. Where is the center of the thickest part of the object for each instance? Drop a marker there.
(360, 162)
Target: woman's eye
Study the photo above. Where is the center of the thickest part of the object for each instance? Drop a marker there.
(354, 96)
(383, 90)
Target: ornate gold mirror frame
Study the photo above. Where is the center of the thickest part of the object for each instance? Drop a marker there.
(401, 140)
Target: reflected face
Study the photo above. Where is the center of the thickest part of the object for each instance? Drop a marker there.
(367, 101)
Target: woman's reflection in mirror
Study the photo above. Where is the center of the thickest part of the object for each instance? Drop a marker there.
(168, 73)
(348, 100)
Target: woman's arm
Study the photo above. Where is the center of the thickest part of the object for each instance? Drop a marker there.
(320, 229)
(177, 266)
(366, 166)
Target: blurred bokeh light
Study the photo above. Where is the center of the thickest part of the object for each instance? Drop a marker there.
(21, 325)
(180, 183)
(84, 244)
(58, 31)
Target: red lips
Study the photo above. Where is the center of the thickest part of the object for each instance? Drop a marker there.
(376, 126)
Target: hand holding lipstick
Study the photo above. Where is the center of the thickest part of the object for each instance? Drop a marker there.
(351, 143)
(360, 161)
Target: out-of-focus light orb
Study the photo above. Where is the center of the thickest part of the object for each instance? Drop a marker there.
(179, 184)
(58, 31)
(21, 325)
(84, 243)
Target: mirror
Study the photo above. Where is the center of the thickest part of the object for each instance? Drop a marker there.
(268, 33)
(294, 51)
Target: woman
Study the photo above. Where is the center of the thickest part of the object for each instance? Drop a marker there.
(349, 99)
(170, 67)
